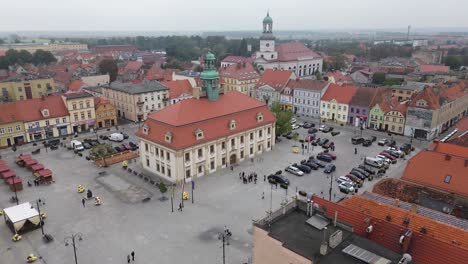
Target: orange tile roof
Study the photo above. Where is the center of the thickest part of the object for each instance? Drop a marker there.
(240, 72)
(277, 79)
(426, 68)
(30, 110)
(75, 85)
(431, 168)
(435, 229)
(178, 88)
(212, 118)
(340, 77)
(294, 51)
(428, 95)
(342, 94)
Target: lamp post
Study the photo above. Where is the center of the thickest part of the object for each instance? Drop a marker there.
(40, 202)
(73, 239)
(331, 186)
(14, 188)
(224, 237)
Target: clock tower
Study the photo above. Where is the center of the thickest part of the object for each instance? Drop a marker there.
(267, 41)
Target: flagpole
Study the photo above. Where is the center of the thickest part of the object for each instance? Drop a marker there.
(172, 197)
(193, 187)
(183, 189)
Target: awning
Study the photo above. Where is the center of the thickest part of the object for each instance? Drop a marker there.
(19, 214)
(8, 174)
(62, 125)
(30, 162)
(4, 168)
(37, 167)
(23, 157)
(45, 173)
(14, 180)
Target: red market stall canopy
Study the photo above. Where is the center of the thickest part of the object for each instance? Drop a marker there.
(2, 162)
(4, 168)
(23, 157)
(30, 162)
(37, 167)
(8, 174)
(45, 173)
(14, 180)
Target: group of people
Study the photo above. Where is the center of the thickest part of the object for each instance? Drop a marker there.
(249, 178)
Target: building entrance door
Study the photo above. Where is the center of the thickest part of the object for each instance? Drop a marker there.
(28, 92)
(233, 159)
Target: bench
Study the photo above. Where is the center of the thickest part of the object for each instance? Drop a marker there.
(102, 172)
(147, 199)
(37, 151)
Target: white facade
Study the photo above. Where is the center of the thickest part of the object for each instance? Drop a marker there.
(307, 102)
(199, 160)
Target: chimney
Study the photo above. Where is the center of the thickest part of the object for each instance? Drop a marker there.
(414, 208)
(447, 157)
(397, 202)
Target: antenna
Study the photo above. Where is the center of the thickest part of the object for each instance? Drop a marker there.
(409, 29)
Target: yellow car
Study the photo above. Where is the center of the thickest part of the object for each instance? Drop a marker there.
(296, 150)
(185, 196)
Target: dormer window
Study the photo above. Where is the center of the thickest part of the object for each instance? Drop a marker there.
(232, 124)
(45, 112)
(199, 134)
(168, 137)
(421, 103)
(259, 117)
(145, 129)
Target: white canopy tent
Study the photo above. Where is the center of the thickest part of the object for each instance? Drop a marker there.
(17, 216)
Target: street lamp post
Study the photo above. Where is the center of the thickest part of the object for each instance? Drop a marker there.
(72, 239)
(16, 193)
(224, 237)
(40, 202)
(331, 186)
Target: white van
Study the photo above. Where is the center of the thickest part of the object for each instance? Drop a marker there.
(377, 163)
(117, 137)
(76, 145)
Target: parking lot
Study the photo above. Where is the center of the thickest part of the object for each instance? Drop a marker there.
(123, 223)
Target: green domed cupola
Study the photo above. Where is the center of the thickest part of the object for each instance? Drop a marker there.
(268, 19)
(210, 78)
(267, 24)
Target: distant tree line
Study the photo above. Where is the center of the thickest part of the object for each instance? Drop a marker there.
(456, 58)
(382, 51)
(13, 57)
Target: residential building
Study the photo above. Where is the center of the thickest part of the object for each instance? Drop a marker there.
(135, 101)
(395, 116)
(443, 166)
(96, 80)
(361, 76)
(432, 68)
(75, 86)
(53, 47)
(460, 138)
(378, 108)
(94, 91)
(406, 91)
(201, 135)
(359, 106)
(334, 104)
(435, 109)
(102, 49)
(337, 77)
(307, 95)
(294, 56)
(11, 126)
(271, 84)
(81, 108)
(16, 90)
(240, 77)
(179, 90)
(232, 60)
(132, 71)
(106, 114)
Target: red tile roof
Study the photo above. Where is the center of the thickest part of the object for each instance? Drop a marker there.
(178, 88)
(213, 118)
(2, 53)
(294, 51)
(461, 137)
(240, 72)
(277, 79)
(435, 229)
(63, 77)
(342, 94)
(159, 74)
(340, 77)
(427, 68)
(428, 95)
(431, 168)
(132, 66)
(237, 59)
(75, 85)
(30, 110)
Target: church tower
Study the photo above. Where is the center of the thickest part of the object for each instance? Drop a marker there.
(210, 78)
(267, 41)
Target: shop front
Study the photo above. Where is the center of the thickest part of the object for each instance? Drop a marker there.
(35, 133)
(62, 129)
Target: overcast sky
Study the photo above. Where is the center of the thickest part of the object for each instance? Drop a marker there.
(206, 15)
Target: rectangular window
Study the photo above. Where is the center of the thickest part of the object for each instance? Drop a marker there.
(75, 116)
(223, 160)
(447, 178)
(82, 115)
(146, 147)
(268, 144)
(260, 133)
(163, 170)
(223, 145)
(89, 114)
(251, 136)
(168, 156)
(242, 139)
(147, 162)
(157, 151)
(18, 127)
(212, 165)
(74, 106)
(233, 143)
(88, 105)
(57, 121)
(212, 149)
(157, 168)
(269, 131)
(187, 156)
(251, 150)
(2, 130)
(200, 169)
(242, 154)
(187, 174)
(81, 105)
(47, 123)
(64, 120)
(200, 153)
(162, 153)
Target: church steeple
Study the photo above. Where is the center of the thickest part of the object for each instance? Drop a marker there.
(268, 24)
(210, 78)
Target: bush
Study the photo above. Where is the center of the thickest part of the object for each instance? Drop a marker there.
(162, 188)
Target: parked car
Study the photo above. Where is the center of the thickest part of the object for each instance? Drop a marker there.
(363, 172)
(125, 136)
(294, 170)
(385, 160)
(118, 149)
(322, 127)
(367, 142)
(293, 120)
(104, 137)
(86, 145)
(312, 165)
(373, 138)
(346, 187)
(383, 142)
(334, 133)
(316, 141)
(357, 140)
(309, 138)
(320, 164)
(290, 135)
(391, 153)
(331, 155)
(328, 145)
(391, 143)
(342, 179)
(407, 148)
(307, 125)
(133, 145)
(303, 168)
(327, 129)
(400, 153)
(329, 168)
(355, 180)
(278, 179)
(358, 174)
(295, 126)
(323, 141)
(368, 169)
(325, 158)
(117, 137)
(126, 147)
(312, 130)
(391, 159)
(54, 142)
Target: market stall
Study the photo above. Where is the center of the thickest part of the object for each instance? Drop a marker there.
(35, 168)
(21, 159)
(15, 183)
(4, 168)
(29, 163)
(21, 218)
(8, 174)
(44, 176)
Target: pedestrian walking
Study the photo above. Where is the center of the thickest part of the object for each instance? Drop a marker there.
(128, 258)
(83, 201)
(180, 207)
(355, 151)
(255, 180)
(133, 255)
(264, 177)
(240, 175)
(263, 195)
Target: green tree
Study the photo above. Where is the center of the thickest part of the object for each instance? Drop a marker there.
(283, 119)
(378, 78)
(11, 57)
(454, 62)
(2, 41)
(243, 48)
(24, 56)
(43, 57)
(110, 67)
(162, 188)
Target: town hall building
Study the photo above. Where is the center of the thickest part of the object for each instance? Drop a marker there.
(293, 56)
(208, 132)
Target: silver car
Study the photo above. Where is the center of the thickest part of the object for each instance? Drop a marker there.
(294, 170)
